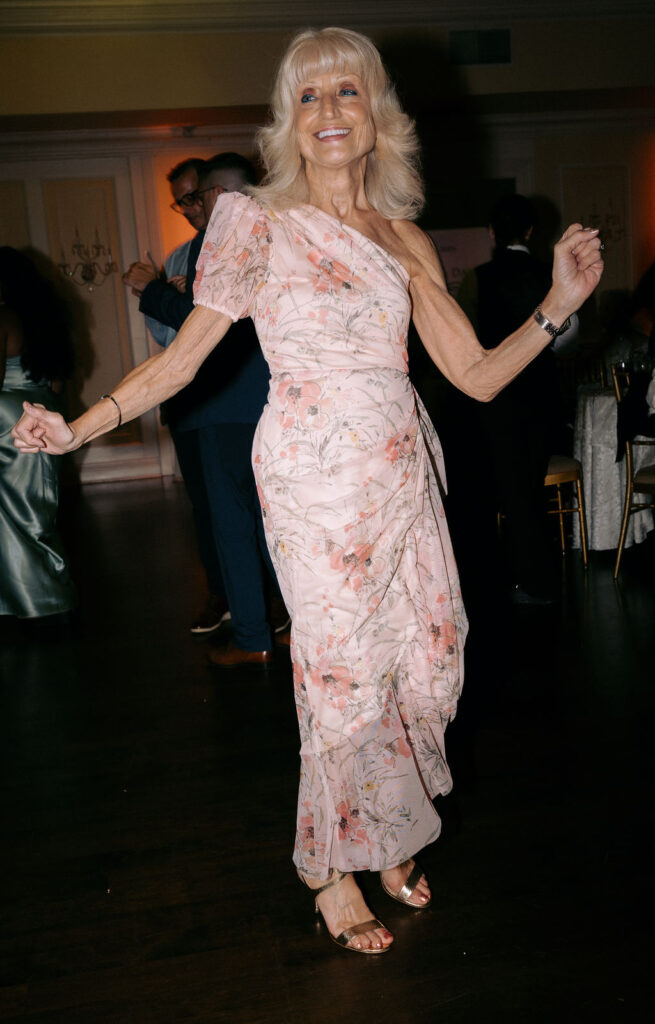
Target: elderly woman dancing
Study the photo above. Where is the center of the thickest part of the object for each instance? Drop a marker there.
(326, 260)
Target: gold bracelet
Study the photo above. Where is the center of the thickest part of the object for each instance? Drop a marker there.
(118, 408)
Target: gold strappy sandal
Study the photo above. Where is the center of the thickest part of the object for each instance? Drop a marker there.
(358, 929)
(407, 891)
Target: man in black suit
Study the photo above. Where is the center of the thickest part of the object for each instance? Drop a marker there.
(521, 425)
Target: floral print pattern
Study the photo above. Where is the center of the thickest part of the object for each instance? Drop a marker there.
(349, 473)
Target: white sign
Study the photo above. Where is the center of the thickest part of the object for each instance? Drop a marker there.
(460, 250)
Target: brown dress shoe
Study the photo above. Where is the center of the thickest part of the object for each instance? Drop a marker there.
(231, 656)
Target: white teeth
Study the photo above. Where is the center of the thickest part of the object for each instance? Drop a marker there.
(332, 131)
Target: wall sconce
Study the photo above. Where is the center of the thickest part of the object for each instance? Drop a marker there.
(86, 269)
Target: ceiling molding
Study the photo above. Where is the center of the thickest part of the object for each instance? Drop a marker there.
(39, 17)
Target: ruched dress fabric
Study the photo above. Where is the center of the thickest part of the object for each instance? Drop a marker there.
(34, 577)
(349, 472)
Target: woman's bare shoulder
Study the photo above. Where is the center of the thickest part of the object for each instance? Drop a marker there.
(408, 230)
(420, 246)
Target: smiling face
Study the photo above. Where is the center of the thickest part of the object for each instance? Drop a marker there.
(334, 121)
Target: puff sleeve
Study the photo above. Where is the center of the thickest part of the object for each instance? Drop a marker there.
(233, 262)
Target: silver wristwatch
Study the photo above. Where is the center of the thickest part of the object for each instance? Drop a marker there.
(548, 326)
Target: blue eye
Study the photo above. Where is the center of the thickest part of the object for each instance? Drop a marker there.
(307, 97)
(349, 91)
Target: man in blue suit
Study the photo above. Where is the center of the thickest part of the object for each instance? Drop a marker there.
(224, 403)
(187, 201)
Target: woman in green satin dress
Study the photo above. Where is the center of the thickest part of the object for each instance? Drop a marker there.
(35, 354)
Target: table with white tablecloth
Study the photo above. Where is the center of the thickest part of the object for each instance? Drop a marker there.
(595, 445)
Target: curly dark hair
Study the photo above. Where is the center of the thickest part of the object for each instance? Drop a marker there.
(47, 350)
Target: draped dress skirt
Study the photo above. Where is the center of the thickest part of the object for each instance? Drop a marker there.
(350, 477)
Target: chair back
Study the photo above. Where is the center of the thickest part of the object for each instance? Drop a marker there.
(620, 379)
(643, 480)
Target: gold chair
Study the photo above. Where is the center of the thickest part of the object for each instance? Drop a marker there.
(641, 481)
(564, 470)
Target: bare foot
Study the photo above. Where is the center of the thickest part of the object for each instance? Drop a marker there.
(343, 907)
(395, 878)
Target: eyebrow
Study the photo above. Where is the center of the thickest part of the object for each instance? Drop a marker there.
(312, 83)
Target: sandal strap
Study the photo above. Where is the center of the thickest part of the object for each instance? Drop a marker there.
(412, 880)
(334, 879)
(357, 929)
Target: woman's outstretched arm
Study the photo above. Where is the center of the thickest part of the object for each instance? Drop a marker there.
(448, 336)
(148, 384)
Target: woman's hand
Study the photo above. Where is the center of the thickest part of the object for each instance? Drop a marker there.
(148, 384)
(449, 337)
(39, 430)
(577, 269)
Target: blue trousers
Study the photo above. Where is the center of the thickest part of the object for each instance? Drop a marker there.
(226, 452)
(187, 449)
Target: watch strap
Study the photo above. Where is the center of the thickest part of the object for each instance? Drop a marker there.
(548, 326)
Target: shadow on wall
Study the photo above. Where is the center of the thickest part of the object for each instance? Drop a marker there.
(80, 320)
(547, 229)
(455, 148)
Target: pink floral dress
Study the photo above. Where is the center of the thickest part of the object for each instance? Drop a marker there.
(348, 469)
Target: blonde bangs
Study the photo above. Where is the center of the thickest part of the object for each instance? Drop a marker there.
(331, 53)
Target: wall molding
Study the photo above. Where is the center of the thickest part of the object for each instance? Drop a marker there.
(44, 17)
(73, 143)
(185, 120)
(77, 144)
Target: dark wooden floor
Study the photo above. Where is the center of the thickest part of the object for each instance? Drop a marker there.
(148, 811)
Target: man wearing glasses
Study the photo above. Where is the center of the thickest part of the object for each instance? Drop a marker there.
(166, 294)
(221, 408)
(164, 301)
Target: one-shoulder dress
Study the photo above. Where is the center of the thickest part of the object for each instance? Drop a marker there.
(350, 474)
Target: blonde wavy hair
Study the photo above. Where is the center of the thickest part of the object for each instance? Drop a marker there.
(393, 183)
